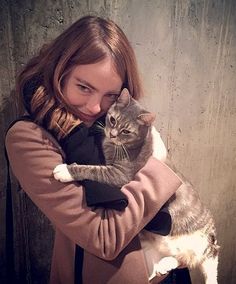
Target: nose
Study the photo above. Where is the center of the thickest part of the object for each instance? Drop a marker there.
(113, 133)
(94, 105)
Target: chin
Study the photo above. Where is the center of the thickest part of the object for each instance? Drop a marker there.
(88, 123)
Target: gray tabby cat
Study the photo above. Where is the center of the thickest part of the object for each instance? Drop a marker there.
(127, 146)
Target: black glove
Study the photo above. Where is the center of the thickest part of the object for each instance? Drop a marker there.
(161, 223)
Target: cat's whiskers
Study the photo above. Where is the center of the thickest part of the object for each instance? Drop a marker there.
(100, 124)
(115, 153)
(125, 151)
(98, 130)
(99, 127)
(120, 153)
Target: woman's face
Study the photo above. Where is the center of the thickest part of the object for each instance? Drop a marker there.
(91, 89)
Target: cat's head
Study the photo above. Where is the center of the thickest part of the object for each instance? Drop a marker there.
(127, 122)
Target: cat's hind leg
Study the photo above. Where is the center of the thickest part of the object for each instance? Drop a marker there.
(165, 265)
(209, 269)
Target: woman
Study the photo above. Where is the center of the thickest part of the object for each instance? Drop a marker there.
(72, 82)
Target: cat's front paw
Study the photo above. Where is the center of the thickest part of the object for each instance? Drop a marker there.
(165, 265)
(62, 174)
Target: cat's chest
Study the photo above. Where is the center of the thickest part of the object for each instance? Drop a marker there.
(116, 155)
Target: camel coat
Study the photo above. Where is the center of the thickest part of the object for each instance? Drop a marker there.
(112, 251)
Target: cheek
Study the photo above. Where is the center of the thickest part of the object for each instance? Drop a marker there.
(74, 100)
(72, 95)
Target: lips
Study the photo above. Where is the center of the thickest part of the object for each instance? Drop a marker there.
(84, 116)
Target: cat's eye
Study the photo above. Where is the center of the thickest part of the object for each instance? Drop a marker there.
(112, 120)
(125, 131)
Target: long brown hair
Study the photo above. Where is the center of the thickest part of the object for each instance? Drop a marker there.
(89, 40)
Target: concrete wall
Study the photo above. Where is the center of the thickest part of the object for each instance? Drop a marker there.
(186, 52)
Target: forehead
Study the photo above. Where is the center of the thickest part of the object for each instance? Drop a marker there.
(101, 75)
(123, 114)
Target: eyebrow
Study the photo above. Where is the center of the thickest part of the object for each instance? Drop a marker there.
(114, 92)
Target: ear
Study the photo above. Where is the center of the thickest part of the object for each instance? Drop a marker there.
(124, 97)
(146, 118)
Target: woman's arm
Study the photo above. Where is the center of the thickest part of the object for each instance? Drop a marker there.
(33, 155)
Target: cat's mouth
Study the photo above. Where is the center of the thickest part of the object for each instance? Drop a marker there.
(115, 141)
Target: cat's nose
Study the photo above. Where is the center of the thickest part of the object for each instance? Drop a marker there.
(113, 133)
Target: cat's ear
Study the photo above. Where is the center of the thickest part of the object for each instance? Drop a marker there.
(146, 118)
(124, 97)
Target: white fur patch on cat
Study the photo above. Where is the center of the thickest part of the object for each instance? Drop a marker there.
(209, 269)
(159, 148)
(62, 174)
(164, 253)
(165, 265)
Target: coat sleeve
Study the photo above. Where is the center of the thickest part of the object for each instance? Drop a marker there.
(33, 154)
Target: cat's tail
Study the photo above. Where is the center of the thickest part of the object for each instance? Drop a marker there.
(209, 268)
(209, 265)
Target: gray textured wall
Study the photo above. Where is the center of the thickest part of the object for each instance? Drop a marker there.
(186, 51)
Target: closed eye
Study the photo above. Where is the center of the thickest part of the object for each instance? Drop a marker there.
(84, 88)
(125, 131)
(112, 97)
